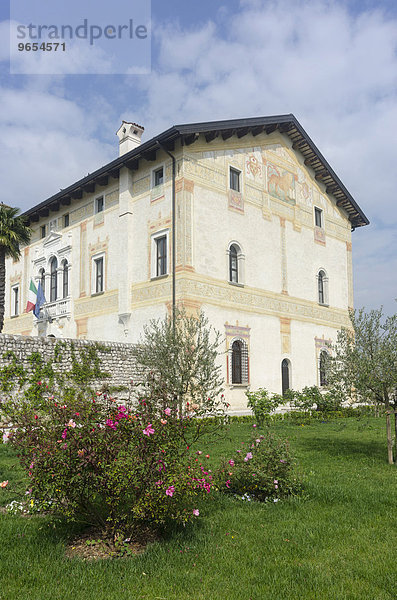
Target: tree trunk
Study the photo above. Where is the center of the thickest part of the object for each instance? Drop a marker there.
(2, 285)
(388, 432)
(395, 434)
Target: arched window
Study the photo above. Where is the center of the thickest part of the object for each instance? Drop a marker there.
(239, 362)
(236, 362)
(236, 264)
(285, 376)
(233, 264)
(53, 281)
(42, 280)
(322, 287)
(65, 279)
(323, 367)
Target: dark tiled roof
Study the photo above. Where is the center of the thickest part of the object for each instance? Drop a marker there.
(188, 133)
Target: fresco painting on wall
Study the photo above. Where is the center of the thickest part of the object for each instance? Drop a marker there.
(281, 184)
(253, 166)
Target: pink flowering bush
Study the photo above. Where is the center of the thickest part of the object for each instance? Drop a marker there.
(108, 464)
(261, 469)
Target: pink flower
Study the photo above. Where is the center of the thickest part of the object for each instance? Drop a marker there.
(170, 491)
(196, 512)
(248, 456)
(72, 424)
(198, 452)
(64, 434)
(207, 456)
(231, 462)
(158, 482)
(258, 441)
(4, 484)
(254, 426)
(111, 424)
(275, 481)
(6, 437)
(149, 430)
(227, 483)
(167, 411)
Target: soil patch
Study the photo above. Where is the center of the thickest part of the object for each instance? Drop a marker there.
(95, 545)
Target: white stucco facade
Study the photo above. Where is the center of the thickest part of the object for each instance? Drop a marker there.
(273, 308)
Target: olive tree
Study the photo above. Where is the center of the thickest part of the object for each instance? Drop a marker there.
(180, 370)
(364, 364)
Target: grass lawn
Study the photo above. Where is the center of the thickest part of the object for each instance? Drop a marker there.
(337, 542)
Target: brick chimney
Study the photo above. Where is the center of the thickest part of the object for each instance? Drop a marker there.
(129, 135)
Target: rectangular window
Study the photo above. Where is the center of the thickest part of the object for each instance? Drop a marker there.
(99, 205)
(158, 176)
(66, 220)
(318, 217)
(42, 231)
(235, 179)
(161, 256)
(15, 301)
(99, 275)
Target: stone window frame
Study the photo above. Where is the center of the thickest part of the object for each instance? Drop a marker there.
(245, 372)
(53, 277)
(240, 264)
(94, 273)
(239, 173)
(317, 211)
(155, 170)
(323, 280)
(15, 300)
(96, 200)
(153, 258)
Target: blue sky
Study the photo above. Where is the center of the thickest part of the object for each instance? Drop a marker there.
(331, 63)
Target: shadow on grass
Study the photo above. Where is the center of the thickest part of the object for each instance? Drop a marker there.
(348, 448)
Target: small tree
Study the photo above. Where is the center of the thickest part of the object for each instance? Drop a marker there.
(180, 371)
(364, 364)
(13, 232)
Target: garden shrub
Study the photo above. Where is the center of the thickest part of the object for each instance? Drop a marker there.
(116, 466)
(263, 404)
(313, 398)
(108, 465)
(261, 469)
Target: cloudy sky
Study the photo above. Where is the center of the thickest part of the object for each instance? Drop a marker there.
(331, 63)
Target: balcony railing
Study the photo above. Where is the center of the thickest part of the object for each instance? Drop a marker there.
(56, 309)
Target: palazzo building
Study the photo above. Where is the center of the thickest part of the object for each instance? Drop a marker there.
(261, 227)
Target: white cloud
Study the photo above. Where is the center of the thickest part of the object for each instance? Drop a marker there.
(48, 142)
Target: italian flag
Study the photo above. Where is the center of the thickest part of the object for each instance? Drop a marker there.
(32, 297)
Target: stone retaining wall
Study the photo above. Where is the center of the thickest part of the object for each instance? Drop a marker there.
(115, 358)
